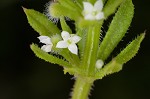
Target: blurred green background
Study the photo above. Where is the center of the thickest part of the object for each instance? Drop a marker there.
(24, 76)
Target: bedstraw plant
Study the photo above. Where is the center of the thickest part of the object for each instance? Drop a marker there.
(83, 52)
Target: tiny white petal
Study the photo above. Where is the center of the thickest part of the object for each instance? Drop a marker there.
(99, 16)
(45, 39)
(73, 48)
(62, 44)
(89, 17)
(99, 64)
(65, 35)
(88, 7)
(46, 48)
(98, 5)
(75, 39)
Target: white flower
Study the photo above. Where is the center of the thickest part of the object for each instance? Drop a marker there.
(99, 64)
(47, 41)
(69, 41)
(91, 12)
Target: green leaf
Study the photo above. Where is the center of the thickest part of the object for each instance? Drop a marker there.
(70, 4)
(117, 29)
(79, 3)
(81, 45)
(64, 25)
(40, 23)
(130, 51)
(117, 63)
(49, 58)
(58, 10)
(111, 7)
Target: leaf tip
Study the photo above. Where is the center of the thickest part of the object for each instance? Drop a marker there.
(32, 45)
(142, 36)
(24, 9)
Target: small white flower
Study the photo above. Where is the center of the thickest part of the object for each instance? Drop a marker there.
(47, 41)
(69, 41)
(99, 64)
(91, 12)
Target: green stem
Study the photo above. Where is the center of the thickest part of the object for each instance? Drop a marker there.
(81, 89)
(90, 54)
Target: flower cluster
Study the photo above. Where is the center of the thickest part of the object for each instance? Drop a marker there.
(69, 41)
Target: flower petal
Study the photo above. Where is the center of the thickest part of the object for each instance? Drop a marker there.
(73, 48)
(98, 5)
(45, 39)
(62, 44)
(99, 16)
(46, 48)
(75, 38)
(65, 35)
(88, 7)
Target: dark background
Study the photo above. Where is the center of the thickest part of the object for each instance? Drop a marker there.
(24, 76)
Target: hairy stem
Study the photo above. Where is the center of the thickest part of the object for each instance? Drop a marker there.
(81, 88)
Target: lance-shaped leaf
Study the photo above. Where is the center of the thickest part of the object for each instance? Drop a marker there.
(127, 54)
(40, 23)
(64, 25)
(111, 7)
(117, 29)
(130, 51)
(47, 57)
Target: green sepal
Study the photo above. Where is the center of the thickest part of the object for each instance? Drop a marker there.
(40, 23)
(111, 7)
(117, 29)
(48, 57)
(57, 10)
(130, 51)
(64, 25)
